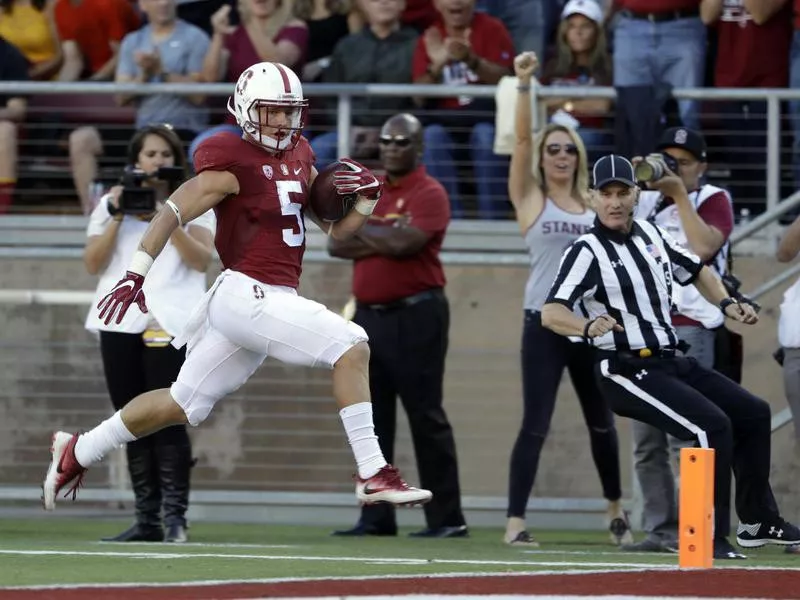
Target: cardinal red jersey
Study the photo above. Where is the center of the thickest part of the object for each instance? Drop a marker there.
(260, 230)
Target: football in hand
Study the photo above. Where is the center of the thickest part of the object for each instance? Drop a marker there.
(323, 199)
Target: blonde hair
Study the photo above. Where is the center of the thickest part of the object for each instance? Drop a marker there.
(580, 180)
(599, 60)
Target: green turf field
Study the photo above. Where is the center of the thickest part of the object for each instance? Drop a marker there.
(61, 550)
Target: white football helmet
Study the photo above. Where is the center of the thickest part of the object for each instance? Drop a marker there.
(268, 92)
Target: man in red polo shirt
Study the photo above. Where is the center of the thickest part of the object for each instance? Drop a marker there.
(398, 284)
(753, 45)
(464, 47)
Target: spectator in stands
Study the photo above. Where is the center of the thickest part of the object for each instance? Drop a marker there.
(91, 32)
(794, 83)
(165, 50)
(701, 221)
(267, 33)
(661, 42)
(137, 355)
(13, 67)
(753, 44)
(548, 187)
(581, 59)
(31, 27)
(328, 21)
(379, 53)
(464, 47)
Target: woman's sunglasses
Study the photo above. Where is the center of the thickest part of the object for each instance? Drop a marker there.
(397, 140)
(554, 149)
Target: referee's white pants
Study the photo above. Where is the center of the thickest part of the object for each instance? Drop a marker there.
(241, 322)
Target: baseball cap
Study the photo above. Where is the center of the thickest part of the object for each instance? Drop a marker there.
(680, 137)
(612, 168)
(588, 8)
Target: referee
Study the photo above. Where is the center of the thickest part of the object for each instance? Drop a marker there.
(622, 272)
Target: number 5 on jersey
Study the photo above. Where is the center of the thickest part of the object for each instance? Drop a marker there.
(289, 208)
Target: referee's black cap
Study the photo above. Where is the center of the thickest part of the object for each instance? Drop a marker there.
(680, 137)
(612, 168)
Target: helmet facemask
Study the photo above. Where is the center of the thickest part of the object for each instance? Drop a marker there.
(274, 124)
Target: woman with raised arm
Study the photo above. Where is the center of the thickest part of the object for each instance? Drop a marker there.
(548, 187)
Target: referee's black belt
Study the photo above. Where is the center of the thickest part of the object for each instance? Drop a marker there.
(639, 354)
(405, 302)
(659, 17)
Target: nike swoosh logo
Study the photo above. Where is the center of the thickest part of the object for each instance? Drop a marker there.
(298, 170)
(368, 490)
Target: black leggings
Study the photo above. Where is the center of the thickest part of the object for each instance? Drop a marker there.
(131, 368)
(544, 356)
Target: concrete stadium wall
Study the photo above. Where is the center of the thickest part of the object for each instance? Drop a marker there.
(281, 432)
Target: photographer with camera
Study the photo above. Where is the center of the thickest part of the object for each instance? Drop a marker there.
(700, 218)
(137, 355)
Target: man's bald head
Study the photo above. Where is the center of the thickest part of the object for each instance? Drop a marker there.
(401, 144)
(403, 124)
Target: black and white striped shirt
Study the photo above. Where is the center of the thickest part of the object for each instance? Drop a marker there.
(629, 277)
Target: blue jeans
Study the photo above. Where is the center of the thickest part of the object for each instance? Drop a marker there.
(326, 147)
(671, 52)
(490, 171)
(208, 133)
(529, 22)
(794, 106)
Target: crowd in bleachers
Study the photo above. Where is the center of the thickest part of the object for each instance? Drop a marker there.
(658, 44)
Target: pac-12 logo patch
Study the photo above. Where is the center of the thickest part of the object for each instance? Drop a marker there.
(267, 171)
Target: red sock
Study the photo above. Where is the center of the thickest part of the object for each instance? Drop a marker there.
(6, 195)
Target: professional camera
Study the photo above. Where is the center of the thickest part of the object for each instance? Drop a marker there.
(139, 200)
(652, 167)
(732, 285)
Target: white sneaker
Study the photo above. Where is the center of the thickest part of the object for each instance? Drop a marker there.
(387, 486)
(64, 469)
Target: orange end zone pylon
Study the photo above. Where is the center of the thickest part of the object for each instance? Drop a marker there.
(696, 509)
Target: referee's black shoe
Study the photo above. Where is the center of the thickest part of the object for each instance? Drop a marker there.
(723, 550)
(775, 531)
(362, 529)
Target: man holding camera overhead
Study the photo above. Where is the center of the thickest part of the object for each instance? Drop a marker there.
(701, 220)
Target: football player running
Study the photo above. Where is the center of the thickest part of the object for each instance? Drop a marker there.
(258, 184)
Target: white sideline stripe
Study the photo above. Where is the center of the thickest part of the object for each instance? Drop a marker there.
(195, 545)
(222, 582)
(654, 402)
(360, 559)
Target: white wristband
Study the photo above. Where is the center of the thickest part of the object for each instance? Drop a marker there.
(141, 263)
(365, 206)
(176, 210)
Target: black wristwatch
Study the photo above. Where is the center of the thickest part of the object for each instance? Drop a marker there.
(726, 302)
(586, 327)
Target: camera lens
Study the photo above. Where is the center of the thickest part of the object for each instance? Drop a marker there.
(647, 170)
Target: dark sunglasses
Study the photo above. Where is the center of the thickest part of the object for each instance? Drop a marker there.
(554, 149)
(397, 140)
